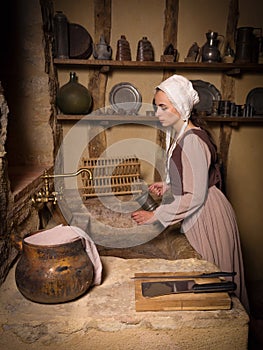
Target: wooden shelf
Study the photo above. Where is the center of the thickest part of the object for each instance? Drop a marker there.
(231, 68)
(235, 119)
(152, 119)
(105, 118)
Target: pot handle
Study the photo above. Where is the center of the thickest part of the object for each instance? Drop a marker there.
(16, 242)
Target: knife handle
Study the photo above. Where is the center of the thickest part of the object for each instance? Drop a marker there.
(227, 286)
(218, 274)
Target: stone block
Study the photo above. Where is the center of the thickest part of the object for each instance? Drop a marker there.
(105, 318)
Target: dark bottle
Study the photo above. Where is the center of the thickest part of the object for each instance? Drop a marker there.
(73, 97)
(61, 35)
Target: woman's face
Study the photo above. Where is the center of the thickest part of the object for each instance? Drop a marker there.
(166, 112)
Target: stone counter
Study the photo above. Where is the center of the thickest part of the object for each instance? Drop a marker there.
(105, 318)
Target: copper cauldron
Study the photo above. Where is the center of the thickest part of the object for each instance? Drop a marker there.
(53, 273)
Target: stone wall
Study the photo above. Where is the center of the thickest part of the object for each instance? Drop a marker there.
(26, 84)
(6, 253)
(27, 117)
(17, 214)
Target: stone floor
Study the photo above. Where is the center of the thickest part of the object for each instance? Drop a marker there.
(105, 317)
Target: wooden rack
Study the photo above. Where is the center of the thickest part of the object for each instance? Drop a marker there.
(111, 176)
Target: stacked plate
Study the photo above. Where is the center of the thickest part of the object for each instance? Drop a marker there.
(255, 100)
(207, 94)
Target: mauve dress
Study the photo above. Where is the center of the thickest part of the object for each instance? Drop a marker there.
(207, 217)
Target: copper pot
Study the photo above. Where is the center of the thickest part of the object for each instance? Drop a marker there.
(53, 273)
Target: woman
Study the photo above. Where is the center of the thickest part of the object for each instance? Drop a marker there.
(193, 177)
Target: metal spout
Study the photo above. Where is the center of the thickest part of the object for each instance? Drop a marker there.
(45, 196)
(79, 171)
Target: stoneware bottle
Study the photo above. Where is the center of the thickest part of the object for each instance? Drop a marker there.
(123, 49)
(145, 50)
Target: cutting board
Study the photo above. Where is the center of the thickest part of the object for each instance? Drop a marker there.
(182, 301)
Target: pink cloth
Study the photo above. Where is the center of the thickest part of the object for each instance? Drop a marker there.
(65, 234)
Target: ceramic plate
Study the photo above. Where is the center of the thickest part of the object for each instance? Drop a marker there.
(125, 98)
(255, 99)
(207, 94)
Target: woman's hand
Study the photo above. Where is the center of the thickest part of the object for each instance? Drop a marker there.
(143, 217)
(158, 188)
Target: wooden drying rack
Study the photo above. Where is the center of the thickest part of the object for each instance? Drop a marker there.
(111, 176)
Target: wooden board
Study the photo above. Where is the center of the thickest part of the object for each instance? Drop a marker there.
(183, 301)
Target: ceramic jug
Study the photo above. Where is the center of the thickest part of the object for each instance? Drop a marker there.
(210, 51)
(102, 51)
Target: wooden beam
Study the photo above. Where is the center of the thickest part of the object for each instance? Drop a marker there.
(102, 15)
(169, 37)
(171, 23)
(170, 28)
(228, 86)
(98, 79)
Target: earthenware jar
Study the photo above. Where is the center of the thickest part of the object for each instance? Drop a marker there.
(53, 269)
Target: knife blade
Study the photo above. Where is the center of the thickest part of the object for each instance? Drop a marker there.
(202, 275)
(154, 289)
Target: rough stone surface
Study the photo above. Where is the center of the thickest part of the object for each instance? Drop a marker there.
(27, 113)
(105, 318)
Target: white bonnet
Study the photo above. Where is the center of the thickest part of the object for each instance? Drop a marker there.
(181, 93)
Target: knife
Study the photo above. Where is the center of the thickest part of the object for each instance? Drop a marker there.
(202, 275)
(154, 289)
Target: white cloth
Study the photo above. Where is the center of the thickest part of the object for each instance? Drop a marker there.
(181, 93)
(170, 146)
(183, 97)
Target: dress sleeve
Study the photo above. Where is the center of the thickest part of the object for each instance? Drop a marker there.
(195, 162)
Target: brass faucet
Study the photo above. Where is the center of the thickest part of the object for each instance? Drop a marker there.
(45, 195)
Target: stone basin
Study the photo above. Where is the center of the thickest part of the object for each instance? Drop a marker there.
(107, 220)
